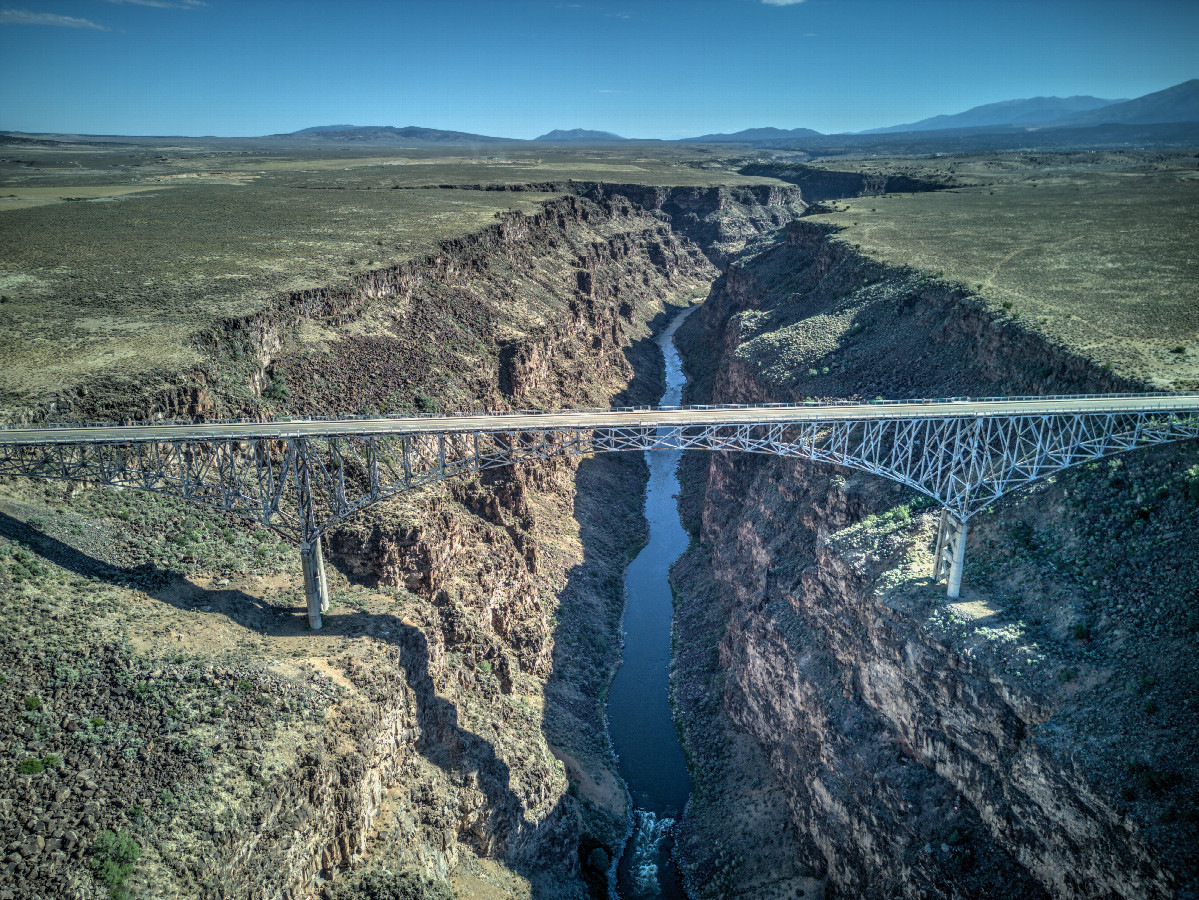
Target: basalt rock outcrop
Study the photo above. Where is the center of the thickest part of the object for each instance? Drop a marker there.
(995, 747)
(425, 738)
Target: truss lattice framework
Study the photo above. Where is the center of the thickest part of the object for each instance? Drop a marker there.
(305, 485)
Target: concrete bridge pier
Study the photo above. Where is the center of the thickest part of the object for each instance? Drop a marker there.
(316, 588)
(950, 554)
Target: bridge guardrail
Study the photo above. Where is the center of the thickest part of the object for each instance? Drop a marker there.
(898, 402)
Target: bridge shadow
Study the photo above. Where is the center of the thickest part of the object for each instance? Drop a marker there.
(442, 740)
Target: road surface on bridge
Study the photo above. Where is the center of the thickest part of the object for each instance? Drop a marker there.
(565, 420)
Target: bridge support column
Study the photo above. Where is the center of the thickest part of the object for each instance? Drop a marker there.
(950, 554)
(316, 588)
(955, 564)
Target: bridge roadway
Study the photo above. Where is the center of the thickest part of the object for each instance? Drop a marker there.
(886, 410)
(305, 476)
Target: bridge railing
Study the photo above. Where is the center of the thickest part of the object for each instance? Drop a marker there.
(699, 407)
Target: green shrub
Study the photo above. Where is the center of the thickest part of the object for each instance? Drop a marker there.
(393, 886)
(97, 721)
(52, 760)
(426, 403)
(275, 389)
(1081, 632)
(33, 704)
(112, 857)
(1154, 780)
(244, 684)
(1191, 480)
(30, 766)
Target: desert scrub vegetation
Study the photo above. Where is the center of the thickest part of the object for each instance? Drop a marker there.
(145, 535)
(110, 748)
(184, 239)
(112, 856)
(391, 885)
(129, 284)
(1096, 257)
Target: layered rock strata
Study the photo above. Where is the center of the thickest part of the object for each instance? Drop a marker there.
(994, 747)
(486, 613)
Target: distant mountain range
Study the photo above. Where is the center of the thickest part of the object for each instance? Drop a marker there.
(378, 134)
(753, 135)
(1034, 111)
(1009, 119)
(579, 135)
(1175, 104)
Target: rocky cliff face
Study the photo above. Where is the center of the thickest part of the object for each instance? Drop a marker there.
(432, 723)
(722, 220)
(990, 747)
(449, 759)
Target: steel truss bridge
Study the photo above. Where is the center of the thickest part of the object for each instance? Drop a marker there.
(304, 477)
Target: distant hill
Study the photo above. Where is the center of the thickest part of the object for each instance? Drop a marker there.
(389, 134)
(319, 129)
(1175, 104)
(753, 135)
(579, 135)
(1035, 110)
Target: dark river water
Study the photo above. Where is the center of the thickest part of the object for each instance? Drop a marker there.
(639, 717)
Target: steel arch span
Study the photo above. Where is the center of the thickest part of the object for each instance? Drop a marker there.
(304, 477)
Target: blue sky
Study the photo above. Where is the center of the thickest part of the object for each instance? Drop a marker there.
(517, 68)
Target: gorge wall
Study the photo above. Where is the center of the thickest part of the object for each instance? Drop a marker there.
(1017, 743)
(447, 721)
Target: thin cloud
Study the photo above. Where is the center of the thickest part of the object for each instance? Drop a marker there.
(25, 17)
(163, 4)
(782, 2)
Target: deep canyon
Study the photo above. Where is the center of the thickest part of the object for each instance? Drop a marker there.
(849, 732)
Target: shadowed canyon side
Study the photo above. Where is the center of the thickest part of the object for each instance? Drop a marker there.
(1015, 743)
(445, 720)
(848, 731)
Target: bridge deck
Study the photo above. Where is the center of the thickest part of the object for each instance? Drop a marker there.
(566, 420)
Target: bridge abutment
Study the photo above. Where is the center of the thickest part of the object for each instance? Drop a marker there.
(316, 588)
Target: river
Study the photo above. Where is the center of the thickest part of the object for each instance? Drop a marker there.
(639, 715)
